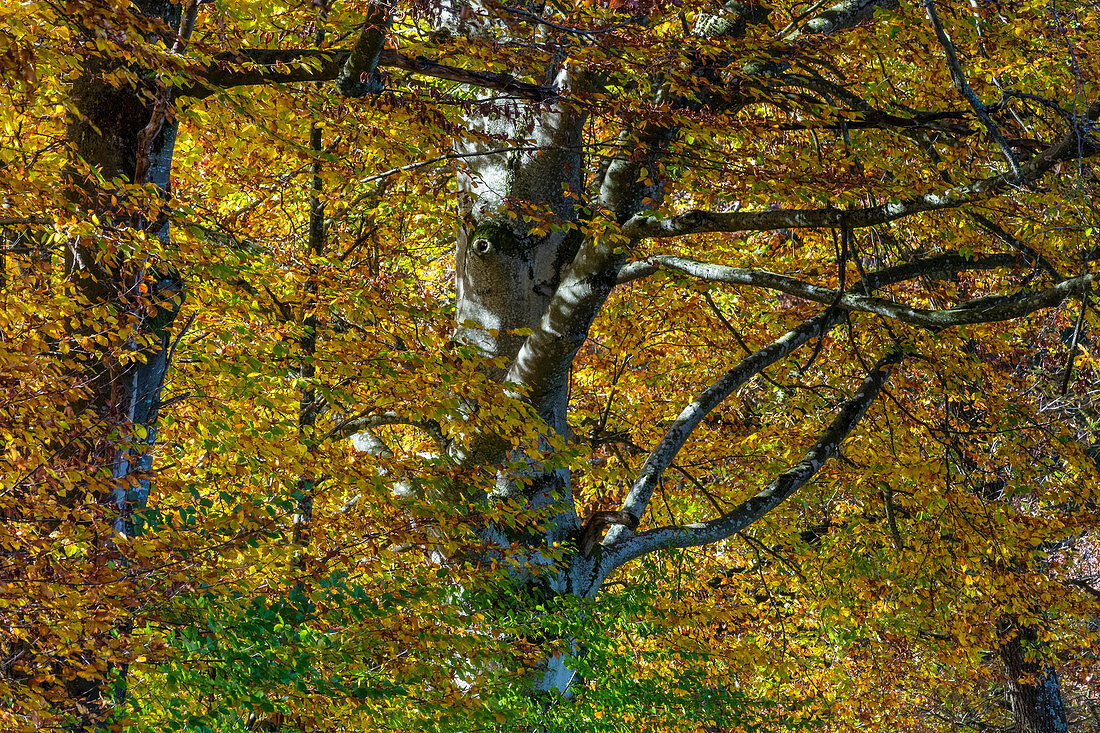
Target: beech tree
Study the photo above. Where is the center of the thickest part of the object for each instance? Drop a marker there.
(702, 251)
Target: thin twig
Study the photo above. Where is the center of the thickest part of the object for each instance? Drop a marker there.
(1068, 374)
(575, 31)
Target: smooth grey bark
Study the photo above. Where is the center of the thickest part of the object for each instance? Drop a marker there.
(984, 310)
(553, 285)
(508, 278)
(506, 275)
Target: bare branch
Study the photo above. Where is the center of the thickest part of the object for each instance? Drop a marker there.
(626, 549)
(1072, 355)
(866, 115)
(998, 231)
(878, 120)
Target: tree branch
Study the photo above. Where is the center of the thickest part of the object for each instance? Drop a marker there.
(777, 492)
(998, 231)
(842, 16)
(869, 115)
(676, 436)
(188, 15)
(1072, 146)
(8, 221)
(361, 423)
(538, 19)
(957, 75)
(938, 266)
(545, 357)
(877, 120)
(661, 457)
(278, 66)
(622, 187)
(982, 310)
(356, 77)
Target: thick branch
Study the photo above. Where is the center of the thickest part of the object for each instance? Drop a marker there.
(845, 14)
(938, 266)
(841, 16)
(681, 429)
(188, 16)
(547, 353)
(878, 120)
(1070, 147)
(535, 18)
(777, 492)
(276, 66)
(356, 78)
(983, 310)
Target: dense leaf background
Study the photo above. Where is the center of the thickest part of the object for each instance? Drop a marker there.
(877, 598)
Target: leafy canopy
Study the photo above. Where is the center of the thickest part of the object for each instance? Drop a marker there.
(804, 154)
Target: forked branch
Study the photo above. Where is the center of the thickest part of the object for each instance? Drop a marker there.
(779, 490)
(662, 456)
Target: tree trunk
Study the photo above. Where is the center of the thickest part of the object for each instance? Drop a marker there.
(506, 276)
(526, 260)
(119, 134)
(1032, 686)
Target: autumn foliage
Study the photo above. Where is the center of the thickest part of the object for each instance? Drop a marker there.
(265, 467)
